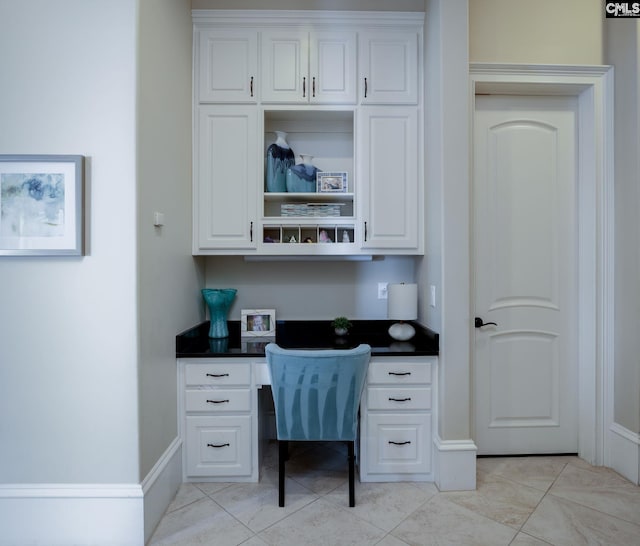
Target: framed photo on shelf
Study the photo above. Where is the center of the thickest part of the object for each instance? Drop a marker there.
(258, 322)
(331, 182)
(41, 205)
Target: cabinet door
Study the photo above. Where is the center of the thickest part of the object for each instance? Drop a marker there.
(226, 177)
(227, 65)
(218, 446)
(285, 64)
(398, 443)
(389, 196)
(389, 67)
(332, 67)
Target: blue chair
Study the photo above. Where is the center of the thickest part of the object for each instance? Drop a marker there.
(316, 394)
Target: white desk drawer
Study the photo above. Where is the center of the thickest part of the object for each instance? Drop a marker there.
(218, 446)
(218, 400)
(399, 443)
(399, 398)
(225, 373)
(400, 372)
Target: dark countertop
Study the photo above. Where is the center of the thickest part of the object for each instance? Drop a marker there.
(307, 334)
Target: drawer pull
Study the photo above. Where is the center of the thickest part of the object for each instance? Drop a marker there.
(217, 401)
(399, 443)
(399, 399)
(217, 375)
(218, 445)
(399, 373)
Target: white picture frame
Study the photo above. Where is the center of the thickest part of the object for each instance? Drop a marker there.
(258, 322)
(331, 182)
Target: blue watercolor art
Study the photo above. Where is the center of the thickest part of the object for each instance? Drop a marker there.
(32, 205)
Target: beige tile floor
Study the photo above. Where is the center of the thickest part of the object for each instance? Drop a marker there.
(519, 501)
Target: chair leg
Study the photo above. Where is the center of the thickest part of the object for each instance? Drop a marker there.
(283, 455)
(351, 457)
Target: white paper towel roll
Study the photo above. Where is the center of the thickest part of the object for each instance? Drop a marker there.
(402, 301)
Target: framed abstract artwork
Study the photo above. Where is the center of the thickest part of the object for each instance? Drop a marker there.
(41, 205)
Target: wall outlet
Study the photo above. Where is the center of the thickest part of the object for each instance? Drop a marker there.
(382, 290)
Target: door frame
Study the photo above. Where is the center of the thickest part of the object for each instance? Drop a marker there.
(593, 88)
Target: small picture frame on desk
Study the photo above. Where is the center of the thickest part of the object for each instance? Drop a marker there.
(331, 182)
(258, 323)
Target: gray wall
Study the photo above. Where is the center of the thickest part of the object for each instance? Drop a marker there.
(623, 51)
(68, 342)
(309, 290)
(169, 278)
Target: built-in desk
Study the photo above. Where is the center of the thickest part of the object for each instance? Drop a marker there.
(225, 415)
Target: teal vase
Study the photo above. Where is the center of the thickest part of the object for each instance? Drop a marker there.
(219, 301)
(279, 158)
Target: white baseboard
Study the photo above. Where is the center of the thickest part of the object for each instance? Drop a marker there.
(455, 464)
(624, 452)
(96, 514)
(160, 486)
(64, 514)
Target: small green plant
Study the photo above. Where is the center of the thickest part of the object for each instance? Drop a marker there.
(341, 323)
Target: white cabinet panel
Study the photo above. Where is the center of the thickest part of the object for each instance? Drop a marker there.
(226, 175)
(218, 446)
(303, 67)
(218, 400)
(388, 67)
(333, 67)
(227, 65)
(398, 443)
(218, 374)
(285, 66)
(399, 398)
(399, 372)
(388, 153)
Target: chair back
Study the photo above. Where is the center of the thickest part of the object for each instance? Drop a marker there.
(316, 393)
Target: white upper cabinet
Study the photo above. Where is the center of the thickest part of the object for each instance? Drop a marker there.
(346, 89)
(390, 196)
(227, 67)
(302, 67)
(388, 62)
(224, 191)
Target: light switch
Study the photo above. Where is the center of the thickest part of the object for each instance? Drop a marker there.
(382, 290)
(432, 296)
(158, 219)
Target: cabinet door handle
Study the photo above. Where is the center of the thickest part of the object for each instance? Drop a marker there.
(304, 87)
(217, 401)
(365, 88)
(217, 375)
(399, 373)
(218, 445)
(365, 232)
(313, 86)
(251, 232)
(399, 443)
(393, 399)
(251, 86)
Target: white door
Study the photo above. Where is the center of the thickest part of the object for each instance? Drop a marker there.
(525, 253)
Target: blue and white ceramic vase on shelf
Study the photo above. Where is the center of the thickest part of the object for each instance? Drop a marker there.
(302, 177)
(280, 157)
(219, 301)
